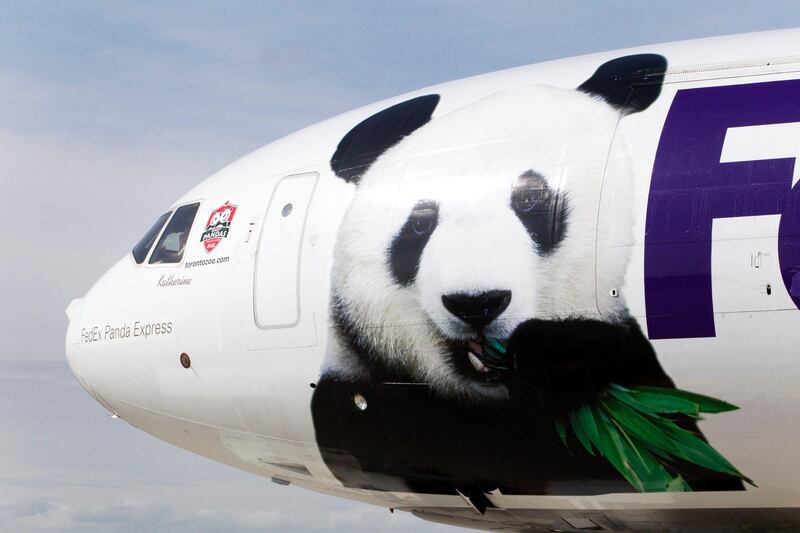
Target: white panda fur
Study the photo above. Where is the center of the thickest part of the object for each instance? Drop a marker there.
(468, 160)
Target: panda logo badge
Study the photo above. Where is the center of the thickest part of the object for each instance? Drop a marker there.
(218, 225)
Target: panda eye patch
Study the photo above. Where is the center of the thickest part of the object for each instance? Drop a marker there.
(407, 246)
(541, 210)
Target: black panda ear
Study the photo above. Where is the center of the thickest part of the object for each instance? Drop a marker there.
(629, 83)
(374, 135)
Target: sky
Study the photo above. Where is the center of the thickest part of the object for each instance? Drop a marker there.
(109, 111)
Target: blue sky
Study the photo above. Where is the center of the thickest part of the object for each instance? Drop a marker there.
(111, 110)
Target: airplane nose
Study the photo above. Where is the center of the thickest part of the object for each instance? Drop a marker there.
(72, 344)
(477, 310)
(76, 353)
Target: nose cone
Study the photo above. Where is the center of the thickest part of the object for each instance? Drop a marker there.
(98, 341)
(477, 310)
(78, 358)
(72, 341)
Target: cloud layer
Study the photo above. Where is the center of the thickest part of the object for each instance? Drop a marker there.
(67, 466)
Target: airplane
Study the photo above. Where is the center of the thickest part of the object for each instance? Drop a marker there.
(559, 297)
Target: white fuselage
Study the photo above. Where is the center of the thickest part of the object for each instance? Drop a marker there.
(253, 314)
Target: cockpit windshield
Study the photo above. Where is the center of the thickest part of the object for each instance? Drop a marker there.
(143, 246)
(173, 241)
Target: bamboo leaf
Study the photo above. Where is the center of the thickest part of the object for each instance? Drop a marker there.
(624, 396)
(638, 466)
(638, 425)
(605, 446)
(578, 430)
(494, 357)
(627, 428)
(617, 386)
(660, 453)
(654, 475)
(692, 448)
(587, 422)
(562, 431)
(658, 403)
(492, 361)
(615, 447)
(595, 434)
(678, 484)
(496, 345)
(705, 404)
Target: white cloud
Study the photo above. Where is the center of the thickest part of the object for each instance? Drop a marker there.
(39, 515)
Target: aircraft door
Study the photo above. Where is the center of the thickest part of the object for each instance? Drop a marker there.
(277, 284)
(620, 222)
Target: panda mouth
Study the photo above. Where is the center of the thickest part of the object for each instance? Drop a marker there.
(483, 358)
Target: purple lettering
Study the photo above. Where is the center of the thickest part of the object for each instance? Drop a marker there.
(690, 188)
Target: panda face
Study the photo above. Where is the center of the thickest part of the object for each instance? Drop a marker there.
(451, 242)
(472, 264)
(471, 260)
(466, 225)
(427, 271)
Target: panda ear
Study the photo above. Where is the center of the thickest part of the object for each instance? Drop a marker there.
(629, 83)
(374, 135)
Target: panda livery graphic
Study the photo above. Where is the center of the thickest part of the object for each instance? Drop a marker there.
(473, 351)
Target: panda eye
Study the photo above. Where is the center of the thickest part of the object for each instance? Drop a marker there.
(407, 246)
(531, 194)
(422, 223)
(526, 200)
(541, 210)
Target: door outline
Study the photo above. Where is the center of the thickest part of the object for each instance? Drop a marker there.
(298, 263)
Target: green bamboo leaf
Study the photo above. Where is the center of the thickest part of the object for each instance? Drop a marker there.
(494, 359)
(638, 425)
(496, 345)
(587, 422)
(678, 484)
(594, 434)
(654, 476)
(661, 403)
(562, 431)
(706, 404)
(630, 452)
(621, 458)
(663, 454)
(604, 444)
(706, 456)
(578, 430)
(617, 386)
(644, 471)
(624, 396)
(635, 443)
(627, 428)
(654, 406)
(692, 448)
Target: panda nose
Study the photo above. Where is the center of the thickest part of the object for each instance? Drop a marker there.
(477, 310)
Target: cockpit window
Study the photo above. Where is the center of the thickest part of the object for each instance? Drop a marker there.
(173, 241)
(144, 245)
